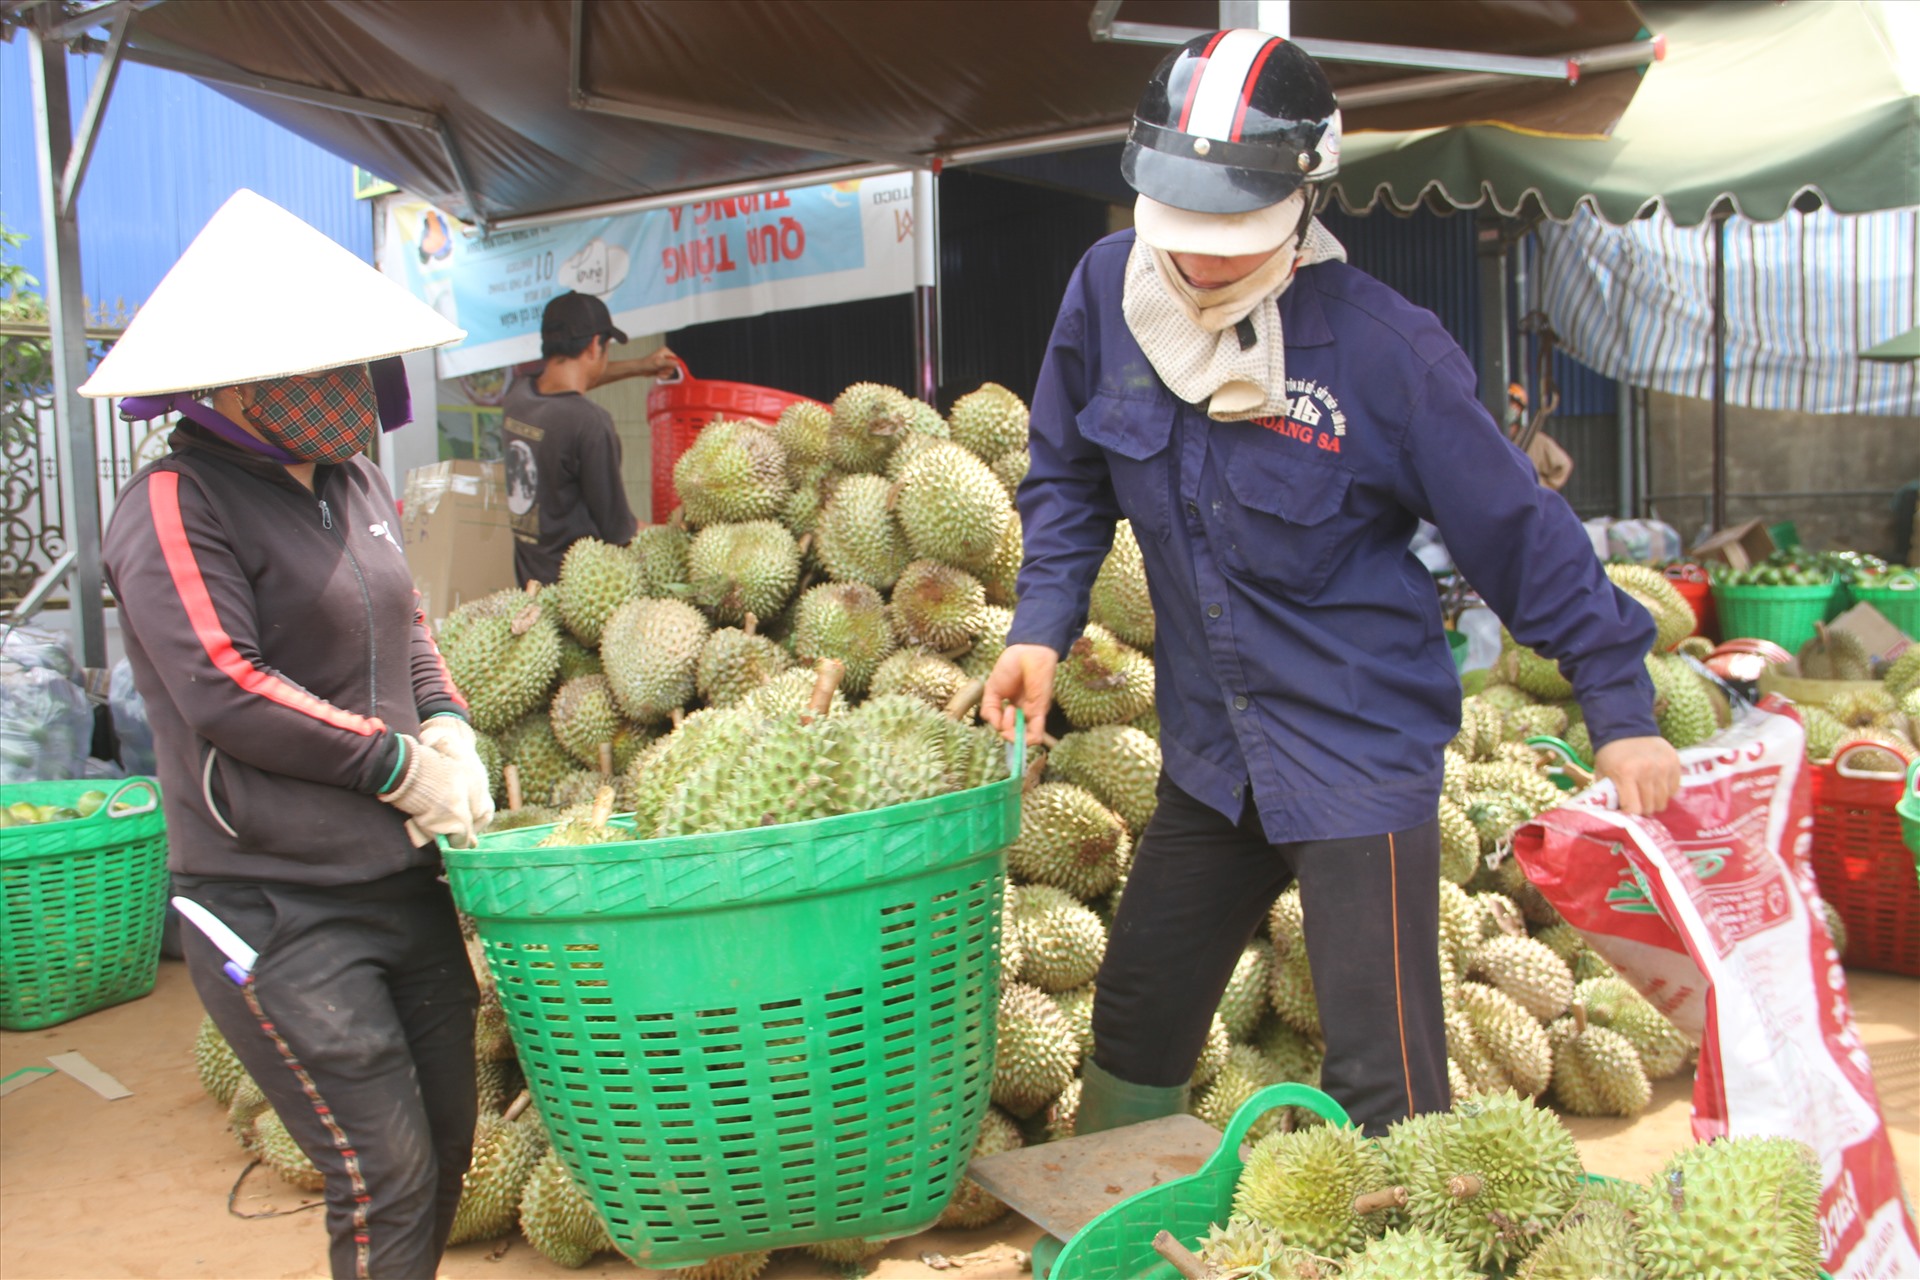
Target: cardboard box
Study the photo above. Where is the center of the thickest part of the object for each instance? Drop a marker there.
(1739, 545)
(455, 532)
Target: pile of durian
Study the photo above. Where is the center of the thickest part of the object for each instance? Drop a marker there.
(1495, 1188)
(1887, 717)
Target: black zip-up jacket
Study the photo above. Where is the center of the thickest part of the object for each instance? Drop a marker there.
(277, 639)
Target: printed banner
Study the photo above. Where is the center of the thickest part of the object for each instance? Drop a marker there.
(715, 260)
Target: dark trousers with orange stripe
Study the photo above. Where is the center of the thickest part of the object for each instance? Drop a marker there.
(1199, 889)
(358, 1026)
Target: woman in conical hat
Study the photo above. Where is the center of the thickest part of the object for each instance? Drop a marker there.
(310, 743)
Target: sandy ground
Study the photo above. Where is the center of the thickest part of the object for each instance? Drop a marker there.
(138, 1187)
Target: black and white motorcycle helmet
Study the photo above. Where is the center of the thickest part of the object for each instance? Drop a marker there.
(1233, 122)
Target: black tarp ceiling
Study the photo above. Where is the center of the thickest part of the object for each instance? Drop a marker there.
(870, 80)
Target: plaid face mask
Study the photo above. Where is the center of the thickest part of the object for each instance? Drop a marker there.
(317, 417)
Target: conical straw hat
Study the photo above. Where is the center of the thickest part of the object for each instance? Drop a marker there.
(260, 294)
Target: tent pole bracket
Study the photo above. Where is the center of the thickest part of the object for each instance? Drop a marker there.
(97, 97)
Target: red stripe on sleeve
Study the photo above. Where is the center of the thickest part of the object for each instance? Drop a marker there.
(1246, 90)
(439, 660)
(1199, 71)
(163, 489)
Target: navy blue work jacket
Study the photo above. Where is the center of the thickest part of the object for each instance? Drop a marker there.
(1299, 643)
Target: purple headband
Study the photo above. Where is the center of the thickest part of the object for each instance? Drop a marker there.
(393, 401)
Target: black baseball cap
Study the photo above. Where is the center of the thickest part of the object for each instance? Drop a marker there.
(578, 315)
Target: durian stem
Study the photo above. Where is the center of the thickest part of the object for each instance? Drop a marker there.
(511, 776)
(893, 495)
(826, 680)
(602, 806)
(1465, 1186)
(748, 623)
(1506, 914)
(805, 544)
(1385, 1198)
(606, 759)
(1048, 741)
(1035, 768)
(961, 705)
(678, 715)
(1579, 1018)
(518, 1106)
(1182, 1258)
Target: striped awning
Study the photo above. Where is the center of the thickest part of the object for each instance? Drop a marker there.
(1805, 295)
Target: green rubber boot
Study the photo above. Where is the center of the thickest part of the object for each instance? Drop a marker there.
(1108, 1102)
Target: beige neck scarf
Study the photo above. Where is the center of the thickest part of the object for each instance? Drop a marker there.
(1189, 335)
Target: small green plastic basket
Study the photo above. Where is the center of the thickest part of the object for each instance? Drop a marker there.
(82, 902)
(1899, 605)
(1788, 616)
(760, 1038)
(1909, 811)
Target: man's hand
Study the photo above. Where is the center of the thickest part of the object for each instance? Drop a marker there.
(1644, 771)
(1022, 679)
(660, 362)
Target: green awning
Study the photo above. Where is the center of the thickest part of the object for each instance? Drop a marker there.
(1756, 102)
(1902, 347)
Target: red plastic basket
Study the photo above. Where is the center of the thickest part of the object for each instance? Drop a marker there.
(1690, 580)
(678, 407)
(1863, 865)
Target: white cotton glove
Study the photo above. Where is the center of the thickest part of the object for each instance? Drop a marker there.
(433, 794)
(453, 737)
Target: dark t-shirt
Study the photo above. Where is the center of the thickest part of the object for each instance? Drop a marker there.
(563, 478)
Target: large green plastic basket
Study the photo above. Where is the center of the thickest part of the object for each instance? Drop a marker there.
(761, 1038)
(1909, 811)
(1899, 605)
(82, 902)
(1788, 616)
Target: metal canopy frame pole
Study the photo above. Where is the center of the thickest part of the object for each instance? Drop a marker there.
(1491, 244)
(67, 323)
(926, 284)
(1719, 368)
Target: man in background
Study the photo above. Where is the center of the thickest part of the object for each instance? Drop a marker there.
(562, 453)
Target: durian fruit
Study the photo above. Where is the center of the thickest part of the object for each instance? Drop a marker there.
(1213, 1055)
(1294, 1057)
(661, 552)
(919, 673)
(502, 652)
(1612, 1002)
(1673, 617)
(1746, 1207)
(733, 471)
(971, 1206)
(1118, 764)
(1571, 946)
(732, 1266)
(858, 537)
(990, 421)
(1102, 681)
(588, 825)
(1069, 840)
(1245, 1248)
(1903, 677)
(788, 693)
(1528, 971)
(248, 1105)
(583, 715)
(213, 1058)
(951, 507)
(276, 1149)
(595, 579)
(505, 1149)
(1509, 1033)
(1481, 725)
(660, 772)
(559, 1219)
(1000, 576)
(845, 621)
(1076, 1006)
(868, 420)
(1596, 1072)
(737, 569)
(804, 506)
(1505, 697)
(735, 661)
(1398, 1255)
(1303, 1185)
(651, 649)
(536, 758)
(1525, 781)
(1595, 1239)
(1834, 655)
(496, 1083)
(1010, 469)
(1681, 704)
(936, 605)
(989, 641)
(1244, 1003)
(1541, 720)
(1035, 1051)
(493, 760)
(1290, 988)
(1494, 1178)
(1061, 939)
(1527, 670)
(1062, 1116)
(1480, 1072)
(1459, 843)
(577, 660)
(1245, 1072)
(845, 1253)
(802, 431)
(1120, 602)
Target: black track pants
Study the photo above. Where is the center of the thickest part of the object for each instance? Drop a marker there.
(358, 1026)
(1199, 888)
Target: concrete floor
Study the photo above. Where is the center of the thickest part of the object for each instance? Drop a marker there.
(138, 1187)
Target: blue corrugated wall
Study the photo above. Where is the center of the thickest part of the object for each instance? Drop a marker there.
(170, 152)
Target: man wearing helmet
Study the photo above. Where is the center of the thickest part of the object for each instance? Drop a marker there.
(1275, 424)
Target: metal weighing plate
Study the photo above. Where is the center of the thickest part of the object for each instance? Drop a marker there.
(1062, 1186)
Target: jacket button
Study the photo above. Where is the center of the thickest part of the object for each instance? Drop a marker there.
(1213, 611)
(1240, 703)
(1193, 509)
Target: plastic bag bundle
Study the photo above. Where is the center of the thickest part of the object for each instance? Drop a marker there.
(46, 721)
(130, 721)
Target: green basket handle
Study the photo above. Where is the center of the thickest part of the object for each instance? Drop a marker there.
(1913, 783)
(1017, 749)
(1268, 1099)
(1570, 772)
(133, 784)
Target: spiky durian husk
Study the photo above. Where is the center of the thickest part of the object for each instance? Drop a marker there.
(1035, 1053)
(1398, 1255)
(1596, 1072)
(802, 430)
(951, 507)
(733, 664)
(1119, 601)
(857, 537)
(1290, 986)
(846, 621)
(732, 1266)
(651, 651)
(1303, 1184)
(1528, 971)
(504, 1153)
(733, 471)
(936, 605)
(1733, 1207)
(1118, 764)
(661, 552)
(559, 1219)
(989, 420)
(213, 1058)
(1102, 681)
(1069, 840)
(920, 674)
(971, 1206)
(1673, 617)
(737, 569)
(1494, 1177)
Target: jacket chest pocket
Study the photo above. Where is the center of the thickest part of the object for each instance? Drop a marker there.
(1284, 524)
(1134, 436)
